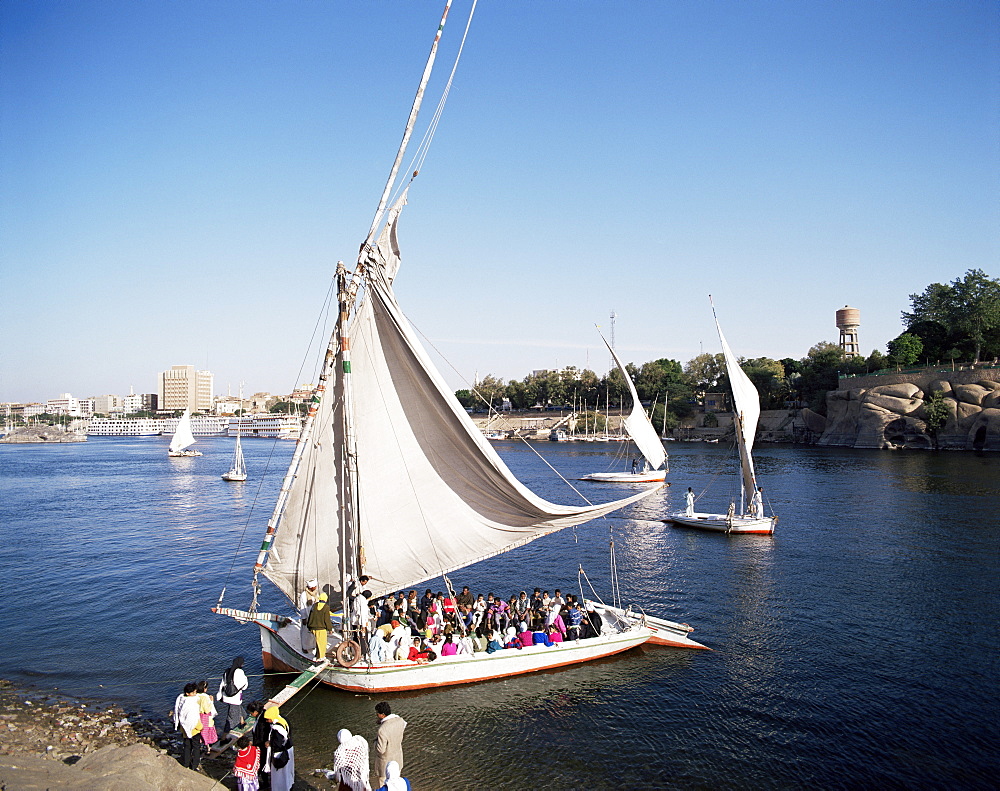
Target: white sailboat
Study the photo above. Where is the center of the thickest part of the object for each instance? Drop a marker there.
(391, 479)
(238, 469)
(183, 439)
(750, 517)
(642, 433)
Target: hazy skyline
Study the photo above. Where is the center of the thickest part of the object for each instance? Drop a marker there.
(178, 180)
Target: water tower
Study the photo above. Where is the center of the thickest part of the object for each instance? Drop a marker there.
(848, 321)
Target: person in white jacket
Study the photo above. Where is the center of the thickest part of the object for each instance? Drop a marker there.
(234, 679)
(187, 719)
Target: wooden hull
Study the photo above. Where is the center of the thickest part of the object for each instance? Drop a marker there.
(280, 652)
(281, 646)
(656, 476)
(722, 523)
(666, 633)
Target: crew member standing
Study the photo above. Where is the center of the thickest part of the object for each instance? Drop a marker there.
(320, 624)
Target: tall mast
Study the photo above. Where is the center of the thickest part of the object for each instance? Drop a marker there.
(408, 131)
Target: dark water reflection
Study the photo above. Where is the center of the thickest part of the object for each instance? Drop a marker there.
(856, 648)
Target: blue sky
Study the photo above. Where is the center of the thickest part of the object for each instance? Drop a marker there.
(179, 179)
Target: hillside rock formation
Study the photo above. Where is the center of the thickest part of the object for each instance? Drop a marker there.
(894, 415)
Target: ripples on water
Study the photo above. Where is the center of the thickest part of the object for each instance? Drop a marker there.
(856, 648)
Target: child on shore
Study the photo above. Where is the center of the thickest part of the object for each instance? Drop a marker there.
(247, 764)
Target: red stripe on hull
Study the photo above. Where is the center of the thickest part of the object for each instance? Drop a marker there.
(656, 640)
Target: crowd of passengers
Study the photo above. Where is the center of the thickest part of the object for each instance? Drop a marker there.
(437, 624)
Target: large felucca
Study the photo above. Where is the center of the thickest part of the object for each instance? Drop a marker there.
(391, 479)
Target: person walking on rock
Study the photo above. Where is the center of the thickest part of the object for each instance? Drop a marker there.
(389, 742)
(280, 751)
(247, 765)
(230, 694)
(187, 719)
(350, 762)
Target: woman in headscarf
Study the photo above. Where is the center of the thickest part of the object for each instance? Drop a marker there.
(350, 762)
(393, 782)
(280, 751)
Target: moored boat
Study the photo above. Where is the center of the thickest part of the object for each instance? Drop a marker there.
(391, 484)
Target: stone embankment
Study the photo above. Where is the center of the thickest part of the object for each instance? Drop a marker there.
(47, 434)
(61, 743)
(894, 415)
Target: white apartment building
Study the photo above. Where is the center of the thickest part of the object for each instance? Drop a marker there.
(182, 387)
(65, 404)
(132, 403)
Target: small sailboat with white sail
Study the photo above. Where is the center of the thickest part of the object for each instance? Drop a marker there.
(640, 430)
(748, 516)
(183, 439)
(392, 482)
(238, 468)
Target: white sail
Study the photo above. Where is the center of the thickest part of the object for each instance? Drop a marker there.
(432, 494)
(183, 437)
(637, 423)
(746, 402)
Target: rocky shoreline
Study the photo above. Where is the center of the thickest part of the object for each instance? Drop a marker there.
(48, 741)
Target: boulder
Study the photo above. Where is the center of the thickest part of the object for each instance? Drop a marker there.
(940, 386)
(107, 769)
(903, 390)
(971, 394)
(899, 405)
(872, 420)
(988, 384)
(991, 400)
(984, 433)
(967, 413)
(814, 421)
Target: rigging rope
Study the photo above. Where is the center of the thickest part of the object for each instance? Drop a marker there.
(322, 317)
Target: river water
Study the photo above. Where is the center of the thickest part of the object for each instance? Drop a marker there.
(856, 648)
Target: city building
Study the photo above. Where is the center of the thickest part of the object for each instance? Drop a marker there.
(108, 404)
(182, 387)
(65, 404)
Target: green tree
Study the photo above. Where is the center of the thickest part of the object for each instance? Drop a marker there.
(819, 373)
(466, 398)
(905, 349)
(768, 376)
(937, 414)
(288, 408)
(704, 371)
(489, 393)
(968, 307)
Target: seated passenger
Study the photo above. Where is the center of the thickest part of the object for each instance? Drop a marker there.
(449, 647)
(592, 624)
(575, 622)
(541, 638)
(526, 636)
(479, 641)
(493, 645)
(511, 640)
(554, 634)
(403, 651)
(378, 647)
